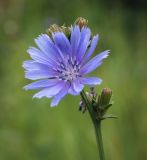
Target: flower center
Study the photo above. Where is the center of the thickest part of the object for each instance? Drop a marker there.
(69, 71)
(70, 74)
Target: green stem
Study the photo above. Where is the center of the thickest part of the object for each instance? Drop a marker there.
(97, 125)
(99, 140)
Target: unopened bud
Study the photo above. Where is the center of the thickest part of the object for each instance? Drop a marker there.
(53, 28)
(66, 30)
(81, 22)
(105, 97)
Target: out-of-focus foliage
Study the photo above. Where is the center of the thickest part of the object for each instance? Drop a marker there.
(30, 129)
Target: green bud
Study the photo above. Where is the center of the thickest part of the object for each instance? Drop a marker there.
(81, 22)
(105, 97)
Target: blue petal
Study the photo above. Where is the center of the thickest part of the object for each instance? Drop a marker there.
(84, 42)
(40, 74)
(75, 39)
(51, 91)
(90, 50)
(32, 65)
(60, 95)
(41, 84)
(72, 90)
(39, 57)
(94, 63)
(62, 42)
(47, 46)
(77, 86)
(91, 80)
(29, 64)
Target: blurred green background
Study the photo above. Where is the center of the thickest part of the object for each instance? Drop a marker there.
(30, 129)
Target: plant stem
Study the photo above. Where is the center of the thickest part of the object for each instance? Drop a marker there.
(99, 140)
(97, 125)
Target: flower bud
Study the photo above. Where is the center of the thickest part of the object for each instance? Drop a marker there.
(66, 30)
(81, 22)
(53, 28)
(105, 97)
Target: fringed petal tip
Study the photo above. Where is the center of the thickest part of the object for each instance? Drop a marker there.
(25, 88)
(39, 96)
(108, 52)
(53, 104)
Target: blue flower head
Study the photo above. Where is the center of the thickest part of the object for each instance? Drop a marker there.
(60, 63)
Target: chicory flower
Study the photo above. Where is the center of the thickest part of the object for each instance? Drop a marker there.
(60, 64)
